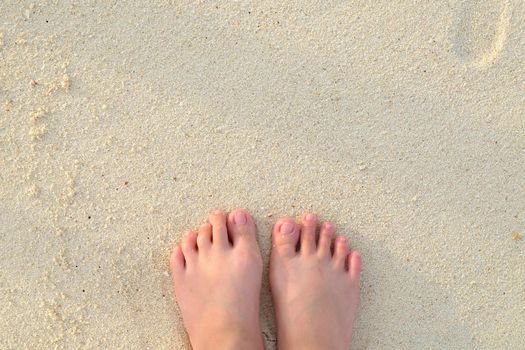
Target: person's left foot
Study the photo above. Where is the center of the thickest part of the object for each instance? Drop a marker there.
(217, 281)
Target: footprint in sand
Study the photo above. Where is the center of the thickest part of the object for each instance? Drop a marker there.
(480, 31)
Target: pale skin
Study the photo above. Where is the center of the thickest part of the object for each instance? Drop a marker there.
(314, 278)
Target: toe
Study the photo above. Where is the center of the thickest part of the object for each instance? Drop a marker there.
(177, 267)
(325, 240)
(340, 252)
(241, 226)
(309, 225)
(189, 246)
(354, 266)
(217, 220)
(204, 237)
(285, 236)
(176, 261)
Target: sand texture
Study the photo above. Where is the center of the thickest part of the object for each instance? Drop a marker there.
(122, 123)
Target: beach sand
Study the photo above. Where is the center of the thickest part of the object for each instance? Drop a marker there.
(122, 123)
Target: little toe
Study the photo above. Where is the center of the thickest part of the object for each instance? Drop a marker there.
(309, 225)
(325, 240)
(340, 252)
(355, 264)
(176, 261)
(189, 246)
(217, 220)
(241, 226)
(204, 237)
(285, 236)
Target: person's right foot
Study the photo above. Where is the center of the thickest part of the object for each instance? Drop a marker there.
(315, 292)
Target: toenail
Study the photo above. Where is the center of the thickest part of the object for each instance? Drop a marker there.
(287, 227)
(328, 225)
(217, 212)
(239, 218)
(310, 217)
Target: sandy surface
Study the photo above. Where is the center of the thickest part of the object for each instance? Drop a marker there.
(122, 124)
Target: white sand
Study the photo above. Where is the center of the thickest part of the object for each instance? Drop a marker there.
(122, 124)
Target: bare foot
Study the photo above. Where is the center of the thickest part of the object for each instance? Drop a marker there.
(217, 282)
(315, 293)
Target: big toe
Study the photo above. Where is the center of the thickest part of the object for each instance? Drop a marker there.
(285, 236)
(241, 227)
